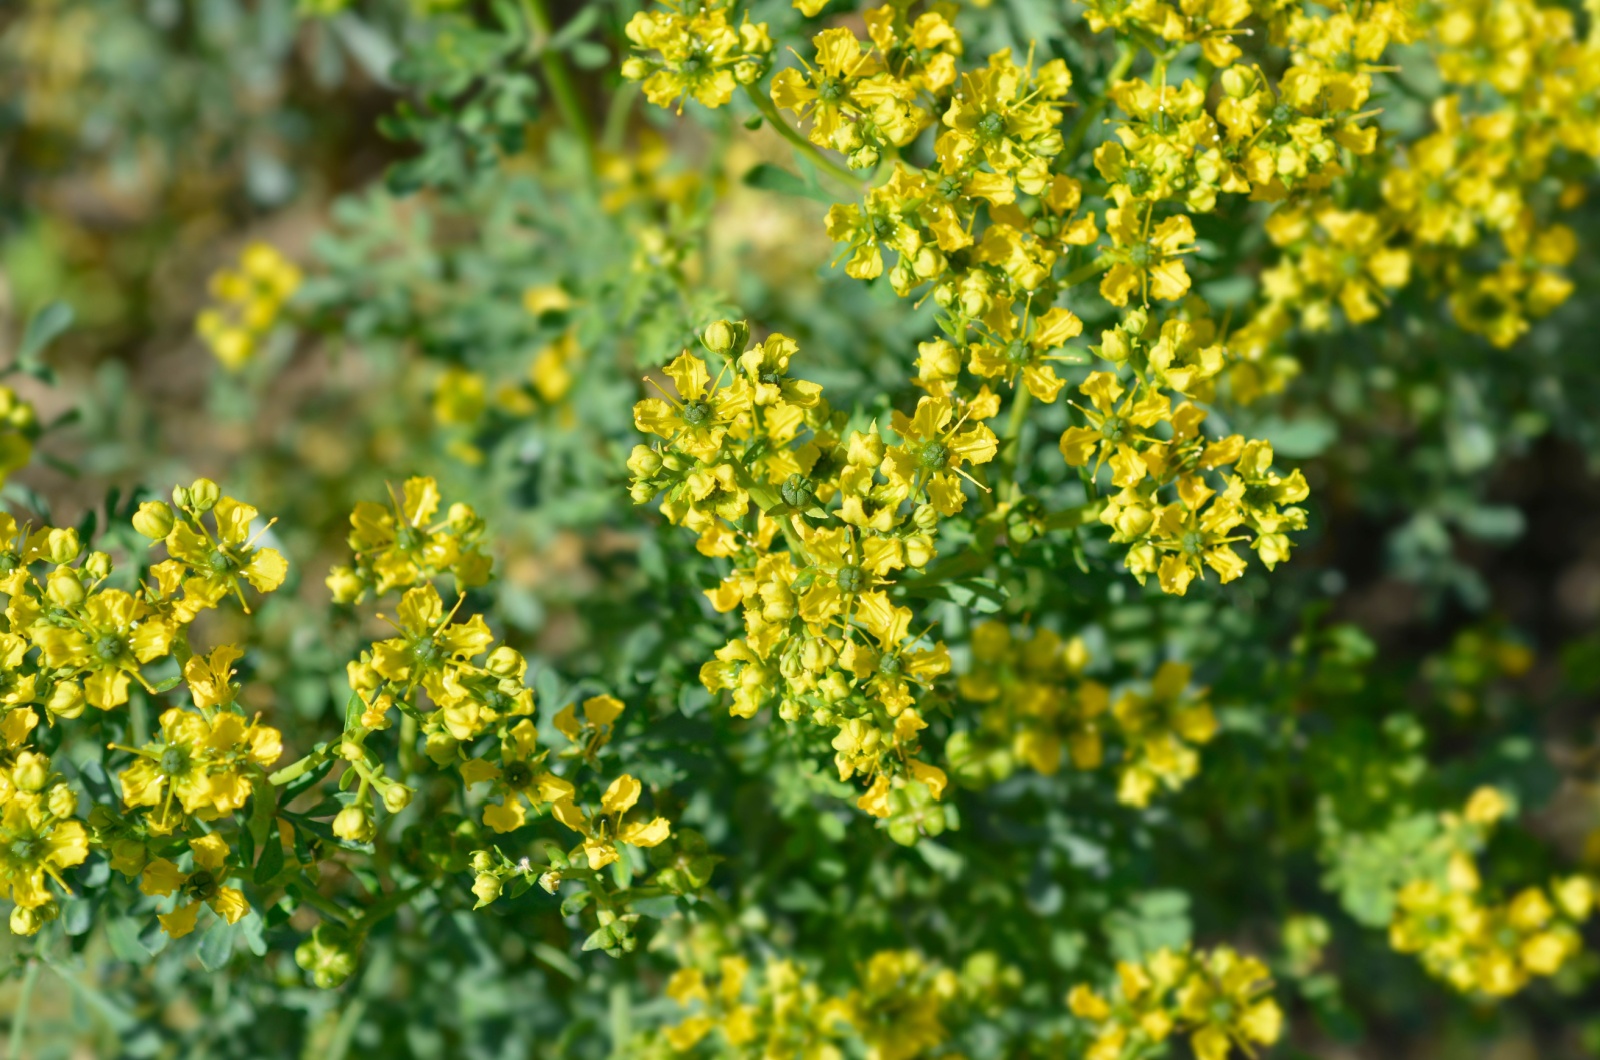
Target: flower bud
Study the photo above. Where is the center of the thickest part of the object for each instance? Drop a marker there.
(482, 861)
(1236, 82)
(487, 888)
(834, 687)
(725, 336)
(919, 551)
(26, 921)
(862, 157)
(65, 700)
(61, 546)
(817, 655)
(153, 519)
(63, 587)
(30, 771)
(328, 955)
(441, 748)
(550, 881)
(129, 856)
(1135, 322)
(1114, 345)
(928, 263)
(506, 661)
(644, 461)
(362, 675)
(396, 797)
(204, 495)
(97, 566)
(353, 825)
(925, 518)
(62, 801)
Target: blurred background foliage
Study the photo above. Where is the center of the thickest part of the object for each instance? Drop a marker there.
(481, 296)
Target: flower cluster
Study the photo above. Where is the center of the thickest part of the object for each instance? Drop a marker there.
(753, 460)
(463, 703)
(993, 231)
(73, 641)
(1483, 946)
(251, 299)
(694, 51)
(1036, 709)
(1220, 998)
(894, 1011)
(405, 544)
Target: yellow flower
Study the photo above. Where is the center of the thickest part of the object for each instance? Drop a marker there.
(935, 443)
(36, 844)
(1027, 349)
(430, 643)
(220, 562)
(1146, 261)
(204, 884)
(698, 418)
(517, 779)
(113, 636)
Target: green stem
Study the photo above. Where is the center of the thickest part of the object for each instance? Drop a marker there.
(295, 770)
(1082, 515)
(388, 905)
(408, 747)
(19, 1022)
(558, 76)
(330, 909)
(616, 125)
(345, 1031)
(1011, 444)
(769, 111)
(1092, 112)
(1086, 272)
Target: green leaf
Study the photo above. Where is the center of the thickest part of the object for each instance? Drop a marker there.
(354, 707)
(579, 27)
(601, 939)
(769, 177)
(659, 907)
(271, 862)
(979, 595)
(1301, 438)
(216, 945)
(122, 934)
(46, 326)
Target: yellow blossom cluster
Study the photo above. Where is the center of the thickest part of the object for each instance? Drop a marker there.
(1036, 708)
(1466, 206)
(250, 300)
(1220, 998)
(463, 702)
(893, 1012)
(1477, 945)
(693, 50)
(753, 459)
(406, 544)
(72, 641)
(995, 234)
